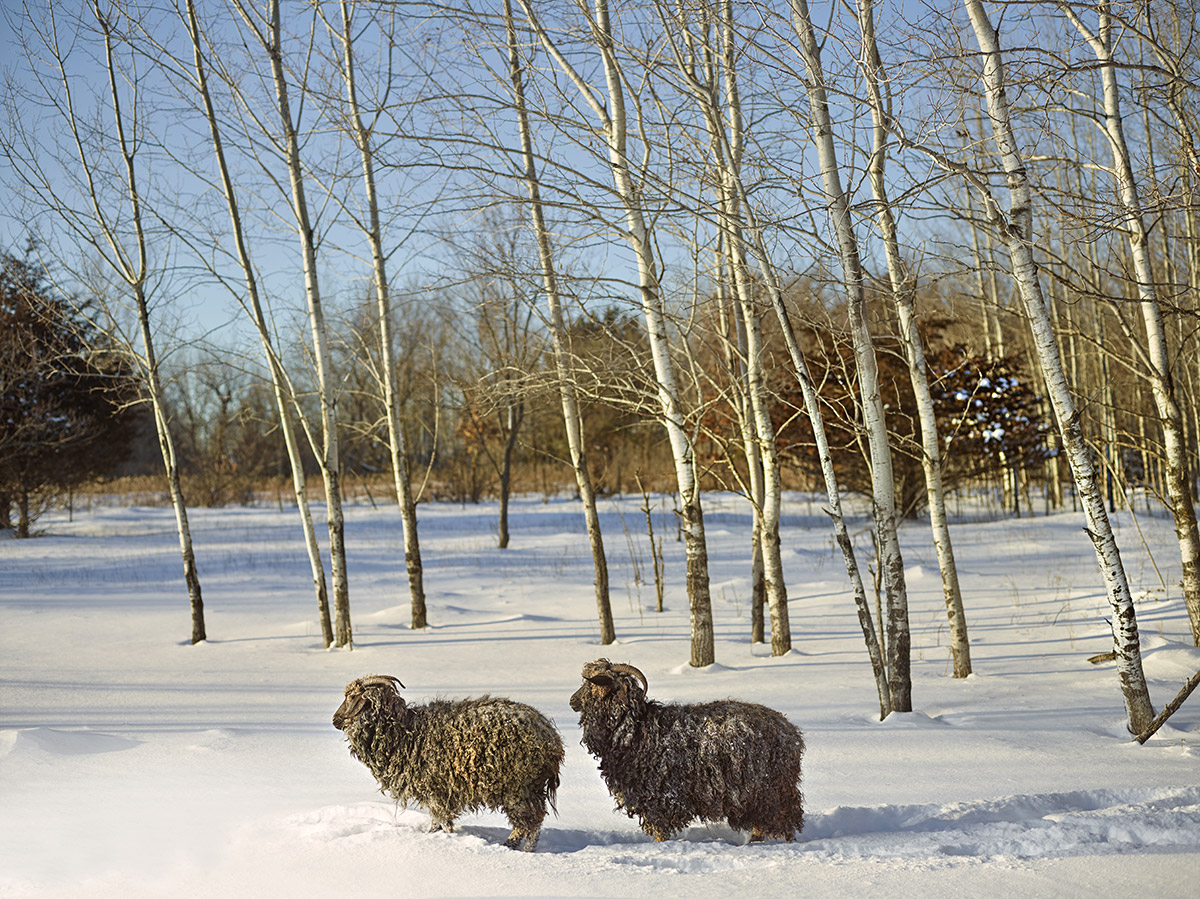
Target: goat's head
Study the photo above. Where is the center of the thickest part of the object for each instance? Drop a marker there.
(604, 680)
(374, 693)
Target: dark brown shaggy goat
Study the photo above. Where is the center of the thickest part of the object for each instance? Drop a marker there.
(670, 764)
(458, 756)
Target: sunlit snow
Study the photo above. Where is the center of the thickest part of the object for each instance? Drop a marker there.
(133, 764)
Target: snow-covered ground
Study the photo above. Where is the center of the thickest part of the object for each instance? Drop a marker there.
(135, 765)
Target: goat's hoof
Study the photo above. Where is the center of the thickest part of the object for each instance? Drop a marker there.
(519, 840)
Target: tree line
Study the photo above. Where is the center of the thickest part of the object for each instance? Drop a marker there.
(887, 249)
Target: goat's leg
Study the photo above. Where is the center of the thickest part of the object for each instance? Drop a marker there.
(440, 820)
(526, 827)
(520, 836)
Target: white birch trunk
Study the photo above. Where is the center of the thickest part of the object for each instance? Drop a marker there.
(572, 418)
(1161, 381)
(902, 293)
(328, 453)
(1017, 232)
(762, 455)
(772, 482)
(812, 408)
(613, 123)
(883, 500)
(734, 343)
(726, 135)
(280, 385)
(774, 584)
(135, 272)
(756, 243)
(397, 439)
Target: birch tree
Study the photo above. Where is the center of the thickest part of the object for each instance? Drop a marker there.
(902, 288)
(744, 224)
(706, 62)
(572, 419)
(732, 328)
(1133, 223)
(611, 115)
(363, 136)
(883, 502)
(1016, 230)
(99, 195)
(753, 233)
(281, 385)
(266, 33)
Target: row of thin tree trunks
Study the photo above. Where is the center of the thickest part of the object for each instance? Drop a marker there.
(767, 508)
(742, 239)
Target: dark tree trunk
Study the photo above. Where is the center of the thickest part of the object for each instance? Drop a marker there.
(514, 414)
(758, 588)
(23, 515)
(696, 549)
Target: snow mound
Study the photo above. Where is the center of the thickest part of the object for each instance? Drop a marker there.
(910, 720)
(62, 742)
(1167, 660)
(687, 670)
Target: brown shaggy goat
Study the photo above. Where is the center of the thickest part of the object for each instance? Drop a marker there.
(458, 756)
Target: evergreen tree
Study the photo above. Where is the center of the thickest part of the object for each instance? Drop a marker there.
(62, 396)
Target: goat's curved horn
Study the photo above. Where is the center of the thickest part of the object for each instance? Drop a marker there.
(381, 680)
(629, 669)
